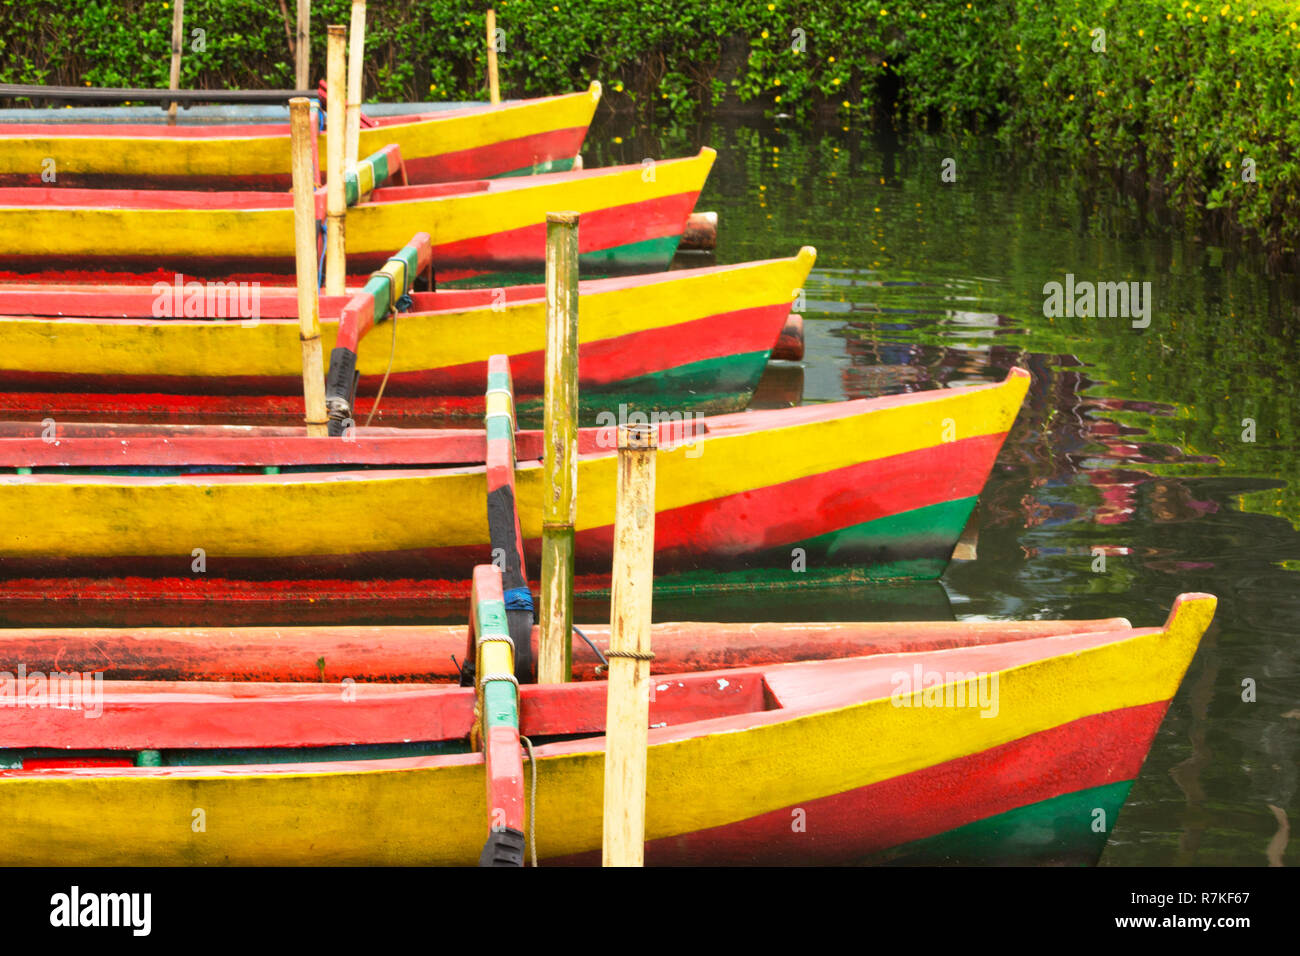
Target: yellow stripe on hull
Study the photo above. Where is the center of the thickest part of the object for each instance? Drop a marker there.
(434, 814)
(204, 348)
(365, 512)
(267, 155)
(373, 228)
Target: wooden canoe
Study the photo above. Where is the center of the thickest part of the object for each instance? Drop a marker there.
(783, 497)
(1015, 752)
(469, 142)
(695, 338)
(632, 218)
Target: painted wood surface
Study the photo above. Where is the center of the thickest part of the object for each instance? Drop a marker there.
(735, 759)
(734, 490)
(465, 142)
(660, 337)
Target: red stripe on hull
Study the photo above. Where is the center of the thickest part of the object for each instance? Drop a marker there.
(494, 159)
(844, 828)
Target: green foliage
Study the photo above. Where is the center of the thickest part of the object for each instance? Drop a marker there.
(1184, 93)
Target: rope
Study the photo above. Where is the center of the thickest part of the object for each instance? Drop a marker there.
(631, 655)
(532, 800)
(392, 349)
(320, 266)
(604, 664)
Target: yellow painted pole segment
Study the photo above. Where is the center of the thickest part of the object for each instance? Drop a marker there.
(494, 85)
(174, 83)
(335, 136)
(627, 714)
(356, 60)
(302, 50)
(304, 228)
(560, 466)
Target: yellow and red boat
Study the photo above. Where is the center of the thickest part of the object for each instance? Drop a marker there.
(214, 351)
(1020, 751)
(632, 218)
(472, 142)
(782, 497)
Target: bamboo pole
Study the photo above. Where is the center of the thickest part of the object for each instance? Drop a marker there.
(304, 227)
(174, 83)
(302, 48)
(494, 85)
(335, 136)
(560, 466)
(356, 60)
(627, 714)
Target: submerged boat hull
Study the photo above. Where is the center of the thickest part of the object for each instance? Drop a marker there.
(464, 142)
(822, 762)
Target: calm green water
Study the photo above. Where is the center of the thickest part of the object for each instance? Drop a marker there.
(1131, 441)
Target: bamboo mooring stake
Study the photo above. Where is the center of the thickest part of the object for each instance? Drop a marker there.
(304, 229)
(335, 141)
(627, 714)
(356, 60)
(302, 49)
(560, 465)
(494, 85)
(178, 17)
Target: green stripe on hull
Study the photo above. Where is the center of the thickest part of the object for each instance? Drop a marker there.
(650, 255)
(913, 545)
(1057, 831)
(711, 386)
(550, 166)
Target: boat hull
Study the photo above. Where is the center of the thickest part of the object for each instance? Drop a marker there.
(825, 762)
(466, 142)
(782, 498)
(488, 231)
(692, 339)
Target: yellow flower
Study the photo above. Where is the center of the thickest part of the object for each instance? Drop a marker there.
(1223, 11)
(1071, 96)
(771, 6)
(830, 59)
(845, 104)
(1228, 164)
(618, 139)
(835, 82)
(884, 12)
(763, 34)
(778, 99)
(777, 81)
(922, 14)
(1141, 33)
(1017, 47)
(1101, 92)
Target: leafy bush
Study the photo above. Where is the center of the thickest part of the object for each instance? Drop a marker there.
(1183, 95)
